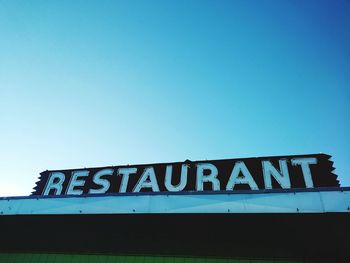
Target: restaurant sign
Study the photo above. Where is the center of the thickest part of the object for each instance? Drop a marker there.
(277, 172)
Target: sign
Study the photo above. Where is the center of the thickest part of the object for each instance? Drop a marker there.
(278, 172)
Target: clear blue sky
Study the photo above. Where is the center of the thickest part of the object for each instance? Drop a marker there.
(95, 83)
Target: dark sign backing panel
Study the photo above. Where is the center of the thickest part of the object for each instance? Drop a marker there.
(216, 175)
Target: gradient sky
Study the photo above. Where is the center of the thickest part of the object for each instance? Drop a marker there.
(96, 83)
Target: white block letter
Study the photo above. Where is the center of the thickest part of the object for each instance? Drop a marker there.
(305, 168)
(100, 181)
(183, 178)
(211, 177)
(75, 182)
(246, 178)
(55, 182)
(125, 172)
(147, 180)
(282, 177)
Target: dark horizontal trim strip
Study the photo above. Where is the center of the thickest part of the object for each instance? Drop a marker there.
(261, 191)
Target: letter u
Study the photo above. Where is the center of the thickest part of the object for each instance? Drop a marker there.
(183, 178)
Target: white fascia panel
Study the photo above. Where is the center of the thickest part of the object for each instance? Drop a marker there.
(288, 202)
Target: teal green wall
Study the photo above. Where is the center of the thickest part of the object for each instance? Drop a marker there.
(58, 258)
